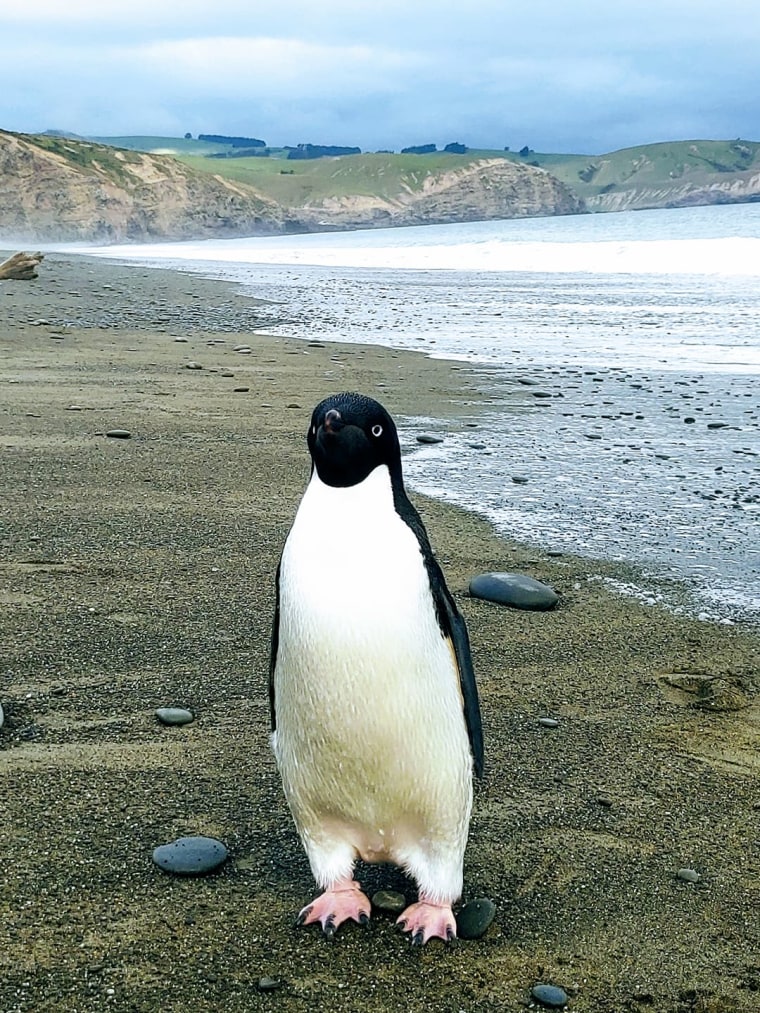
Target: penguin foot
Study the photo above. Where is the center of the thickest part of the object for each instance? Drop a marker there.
(340, 903)
(426, 920)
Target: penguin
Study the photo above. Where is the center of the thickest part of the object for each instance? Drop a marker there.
(376, 726)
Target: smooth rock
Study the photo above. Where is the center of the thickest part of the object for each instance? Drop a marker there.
(240, 390)
(429, 438)
(267, 984)
(549, 995)
(548, 722)
(475, 917)
(2, 716)
(514, 589)
(688, 875)
(190, 856)
(520, 479)
(193, 365)
(389, 900)
(174, 715)
(119, 434)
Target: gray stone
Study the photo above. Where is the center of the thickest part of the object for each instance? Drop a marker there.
(2, 716)
(174, 715)
(190, 856)
(267, 984)
(514, 589)
(549, 995)
(688, 875)
(520, 479)
(548, 722)
(475, 917)
(240, 390)
(429, 438)
(389, 900)
(119, 434)
(193, 365)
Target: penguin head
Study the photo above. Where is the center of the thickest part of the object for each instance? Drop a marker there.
(350, 435)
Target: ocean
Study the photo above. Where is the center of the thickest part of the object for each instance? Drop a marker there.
(634, 337)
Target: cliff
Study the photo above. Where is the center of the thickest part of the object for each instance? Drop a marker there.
(59, 190)
(739, 188)
(486, 189)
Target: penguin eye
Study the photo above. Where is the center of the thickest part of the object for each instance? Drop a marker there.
(377, 430)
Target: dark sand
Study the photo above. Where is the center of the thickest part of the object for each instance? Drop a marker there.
(139, 573)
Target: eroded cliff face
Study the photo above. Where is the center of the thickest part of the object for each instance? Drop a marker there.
(56, 190)
(90, 192)
(738, 188)
(484, 190)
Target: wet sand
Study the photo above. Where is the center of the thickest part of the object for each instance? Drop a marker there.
(137, 573)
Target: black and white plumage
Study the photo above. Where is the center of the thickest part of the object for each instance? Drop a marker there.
(375, 716)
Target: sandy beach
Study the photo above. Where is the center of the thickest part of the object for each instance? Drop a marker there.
(138, 572)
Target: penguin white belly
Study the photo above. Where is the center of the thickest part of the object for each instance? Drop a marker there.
(371, 738)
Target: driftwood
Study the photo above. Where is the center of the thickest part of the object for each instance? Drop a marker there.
(21, 266)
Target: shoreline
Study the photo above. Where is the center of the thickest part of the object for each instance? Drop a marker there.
(138, 573)
(606, 455)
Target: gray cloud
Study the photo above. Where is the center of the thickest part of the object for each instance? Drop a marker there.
(385, 73)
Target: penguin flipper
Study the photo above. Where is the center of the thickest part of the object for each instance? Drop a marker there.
(459, 641)
(275, 643)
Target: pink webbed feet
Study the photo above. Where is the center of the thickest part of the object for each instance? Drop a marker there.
(340, 903)
(426, 920)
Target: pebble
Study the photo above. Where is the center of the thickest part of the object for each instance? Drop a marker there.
(190, 856)
(429, 438)
(2, 716)
(475, 917)
(520, 479)
(549, 995)
(181, 340)
(514, 589)
(74, 408)
(226, 372)
(240, 390)
(267, 984)
(193, 365)
(389, 900)
(548, 722)
(119, 434)
(688, 875)
(174, 715)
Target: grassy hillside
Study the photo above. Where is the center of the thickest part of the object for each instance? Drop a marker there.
(300, 181)
(652, 165)
(295, 182)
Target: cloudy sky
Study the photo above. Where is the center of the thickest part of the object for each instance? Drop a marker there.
(586, 76)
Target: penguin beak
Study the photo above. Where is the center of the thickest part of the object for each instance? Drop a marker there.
(333, 421)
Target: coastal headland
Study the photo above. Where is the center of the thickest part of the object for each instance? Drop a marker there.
(138, 572)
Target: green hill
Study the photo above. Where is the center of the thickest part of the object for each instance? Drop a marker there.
(665, 174)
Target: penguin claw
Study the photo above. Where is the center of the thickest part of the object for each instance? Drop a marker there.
(426, 920)
(335, 906)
